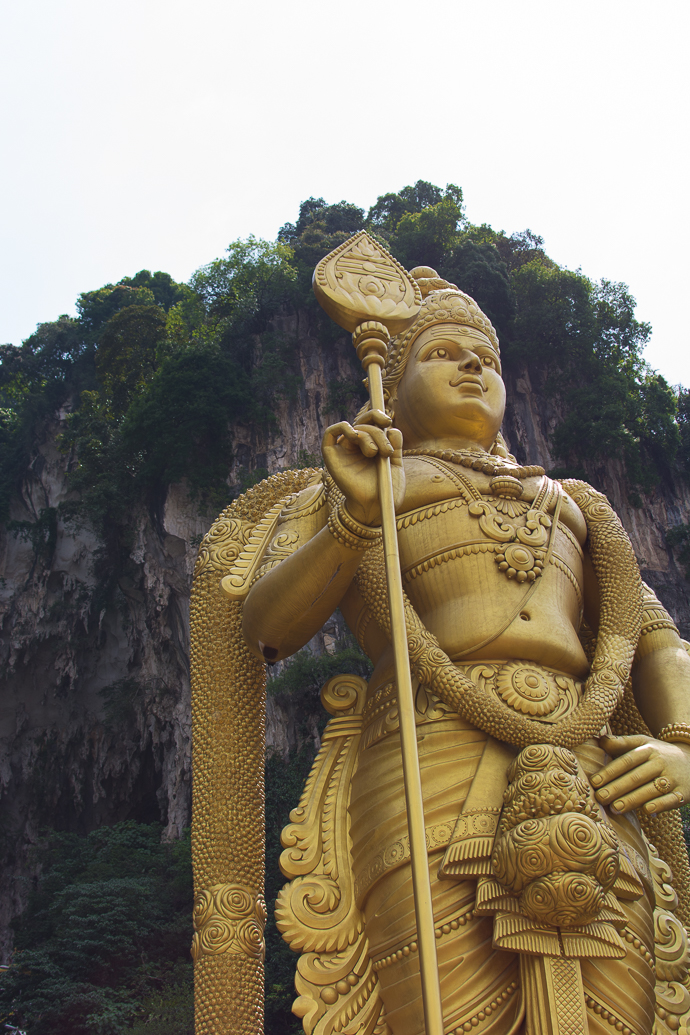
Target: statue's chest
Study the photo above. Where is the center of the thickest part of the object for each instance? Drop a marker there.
(510, 536)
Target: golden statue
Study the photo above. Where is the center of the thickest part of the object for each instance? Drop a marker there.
(517, 875)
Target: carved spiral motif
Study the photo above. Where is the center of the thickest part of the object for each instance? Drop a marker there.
(608, 867)
(553, 849)
(563, 899)
(671, 947)
(576, 842)
(221, 546)
(318, 895)
(202, 909)
(538, 757)
(216, 936)
(250, 937)
(533, 862)
(341, 693)
(228, 918)
(234, 901)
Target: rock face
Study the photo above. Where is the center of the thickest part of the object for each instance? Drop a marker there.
(95, 720)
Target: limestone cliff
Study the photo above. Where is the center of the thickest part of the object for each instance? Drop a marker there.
(95, 721)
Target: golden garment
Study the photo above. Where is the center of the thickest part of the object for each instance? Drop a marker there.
(480, 983)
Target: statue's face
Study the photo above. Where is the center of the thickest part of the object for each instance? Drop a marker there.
(451, 394)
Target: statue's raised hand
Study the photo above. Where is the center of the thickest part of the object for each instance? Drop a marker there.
(351, 453)
(647, 773)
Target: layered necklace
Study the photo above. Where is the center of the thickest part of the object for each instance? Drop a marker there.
(478, 460)
(521, 551)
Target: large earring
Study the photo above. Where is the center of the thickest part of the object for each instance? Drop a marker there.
(499, 448)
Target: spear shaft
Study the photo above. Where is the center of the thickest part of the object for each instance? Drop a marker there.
(371, 351)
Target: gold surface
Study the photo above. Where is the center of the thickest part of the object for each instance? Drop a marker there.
(355, 282)
(483, 803)
(362, 281)
(228, 706)
(228, 918)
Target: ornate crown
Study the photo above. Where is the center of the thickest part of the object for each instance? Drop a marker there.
(443, 302)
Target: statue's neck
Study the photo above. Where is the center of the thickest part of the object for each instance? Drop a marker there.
(453, 442)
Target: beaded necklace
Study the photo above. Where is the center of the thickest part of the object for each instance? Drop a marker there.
(477, 461)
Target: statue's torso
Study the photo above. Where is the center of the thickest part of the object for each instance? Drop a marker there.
(457, 564)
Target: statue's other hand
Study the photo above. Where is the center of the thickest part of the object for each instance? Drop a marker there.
(351, 454)
(645, 773)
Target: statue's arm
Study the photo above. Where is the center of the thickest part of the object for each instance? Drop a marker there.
(661, 671)
(646, 772)
(291, 602)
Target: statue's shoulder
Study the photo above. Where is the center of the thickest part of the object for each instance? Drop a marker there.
(593, 505)
(264, 525)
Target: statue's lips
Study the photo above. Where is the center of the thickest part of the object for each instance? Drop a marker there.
(469, 379)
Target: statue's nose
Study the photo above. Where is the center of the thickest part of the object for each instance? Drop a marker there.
(470, 362)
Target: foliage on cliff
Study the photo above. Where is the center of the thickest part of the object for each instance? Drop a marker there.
(155, 373)
(580, 338)
(103, 945)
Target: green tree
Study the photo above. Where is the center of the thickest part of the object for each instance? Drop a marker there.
(95, 308)
(129, 350)
(181, 426)
(106, 932)
(248, 286)
(164, 289)
(389, 209)
(425, 238)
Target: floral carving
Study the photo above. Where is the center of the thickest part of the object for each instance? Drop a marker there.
(554, 852)
(228, 918)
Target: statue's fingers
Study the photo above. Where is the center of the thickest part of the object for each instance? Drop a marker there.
(353, 439)
(630, 780)
(664, 803)
(365, 443)
(652, 788)
(629, 760)
(336, 431)
(619, 745)
(378, 417)
(378, 437)
(635, 799)
(396, 440)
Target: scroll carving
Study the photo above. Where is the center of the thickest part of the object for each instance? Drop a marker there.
(316, 912)
(671, 951)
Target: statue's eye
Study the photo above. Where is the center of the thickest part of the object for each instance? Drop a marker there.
(488, 361)
(439, 354)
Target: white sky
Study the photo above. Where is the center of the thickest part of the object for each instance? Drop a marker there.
(151, 133)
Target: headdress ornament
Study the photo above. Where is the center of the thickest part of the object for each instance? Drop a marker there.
(443, 302)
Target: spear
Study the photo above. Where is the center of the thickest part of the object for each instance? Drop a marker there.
(366, 291)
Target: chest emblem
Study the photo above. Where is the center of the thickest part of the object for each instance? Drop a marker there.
(522, 548)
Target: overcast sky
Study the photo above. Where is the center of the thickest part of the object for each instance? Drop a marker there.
(150, 133)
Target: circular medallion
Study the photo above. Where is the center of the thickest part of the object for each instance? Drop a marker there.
(527, 688)
(520, 562)
(519, 557)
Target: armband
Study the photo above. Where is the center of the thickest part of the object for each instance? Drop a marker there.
(349, 532)
(675, 733)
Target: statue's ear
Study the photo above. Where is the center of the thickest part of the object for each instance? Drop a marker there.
(499, 448)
